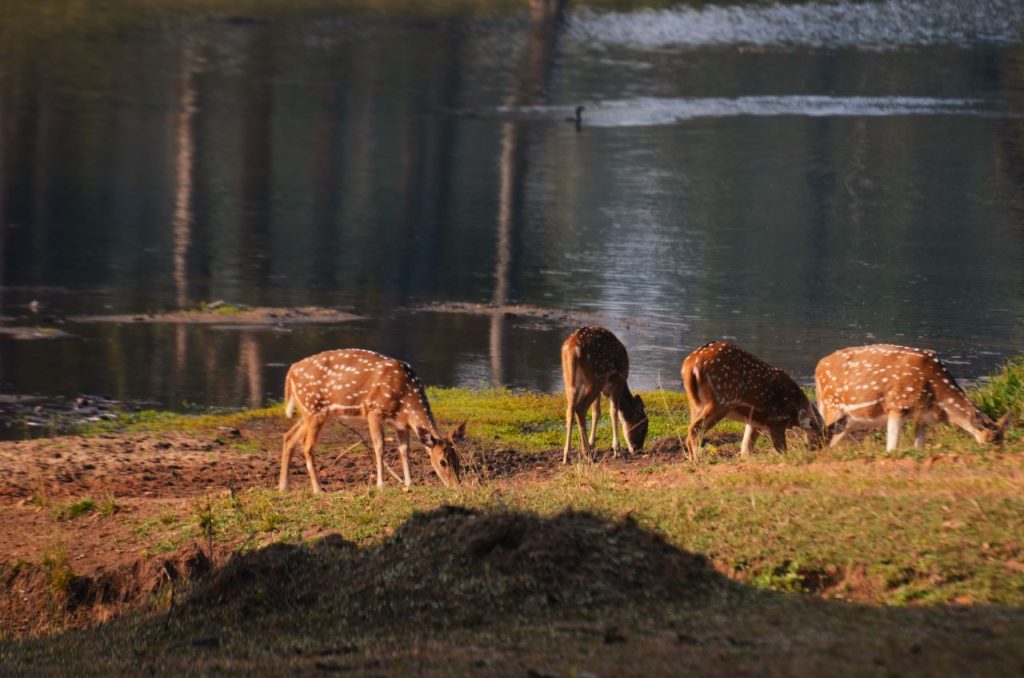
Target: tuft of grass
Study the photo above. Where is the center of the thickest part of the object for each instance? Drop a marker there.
(108, 505)
(785, 577)
(1004, 392)
(73, 509)
(54, 561)
(207, 523)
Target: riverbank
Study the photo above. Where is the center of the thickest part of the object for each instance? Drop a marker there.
(170, 526)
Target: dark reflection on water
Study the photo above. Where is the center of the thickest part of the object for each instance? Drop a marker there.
(771, 175)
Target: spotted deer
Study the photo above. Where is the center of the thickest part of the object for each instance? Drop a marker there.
(356, 385)
(723, 381)
(594, 361)
(884, 386)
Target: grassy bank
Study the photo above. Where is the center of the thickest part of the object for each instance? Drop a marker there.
(400, 592)
(876, 560)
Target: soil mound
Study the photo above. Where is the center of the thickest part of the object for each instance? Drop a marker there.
(458, 567)
(40, 598)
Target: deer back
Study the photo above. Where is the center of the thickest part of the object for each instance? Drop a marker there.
(354, 383)
(595, 356)
(350, 383)
(874, 380)
(738, 381)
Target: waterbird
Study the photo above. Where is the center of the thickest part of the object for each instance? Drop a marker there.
(578, 119)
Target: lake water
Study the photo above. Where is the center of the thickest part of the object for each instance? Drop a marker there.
(795, 177)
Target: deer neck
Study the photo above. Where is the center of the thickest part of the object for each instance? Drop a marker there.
(960, 410)
(416, 412)
(626, 402)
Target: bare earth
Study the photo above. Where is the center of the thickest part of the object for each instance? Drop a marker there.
(143, 471)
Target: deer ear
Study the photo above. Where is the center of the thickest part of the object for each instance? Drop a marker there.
(458, 433)
(424, 436)
(639, 401)
(1003, 422)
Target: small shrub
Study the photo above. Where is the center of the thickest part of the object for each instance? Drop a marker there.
(168, 517)
(205, 517)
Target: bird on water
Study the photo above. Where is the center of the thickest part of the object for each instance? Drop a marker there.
(578, 119)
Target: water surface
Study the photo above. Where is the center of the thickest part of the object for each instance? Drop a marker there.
(795, 177)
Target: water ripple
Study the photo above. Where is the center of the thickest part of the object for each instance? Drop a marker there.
(881, 25)
(649, 111)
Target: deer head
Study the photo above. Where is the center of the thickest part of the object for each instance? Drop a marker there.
(987, 431)
(636, 418)
(810, 420)
(443, 455)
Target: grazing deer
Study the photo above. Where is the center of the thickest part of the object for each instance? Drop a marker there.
(358, 385)
(724, 381)
(882, 385)
(595, 362)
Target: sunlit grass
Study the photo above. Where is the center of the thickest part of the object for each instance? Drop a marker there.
(924, 537)
(530, 421)
(1004, 392)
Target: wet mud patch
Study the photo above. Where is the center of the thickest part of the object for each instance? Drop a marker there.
(218, 313)
(34, 332)
(27, 416)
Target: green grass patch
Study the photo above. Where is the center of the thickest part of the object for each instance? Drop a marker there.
(73, 509)
(1004, 392)
(531, 422)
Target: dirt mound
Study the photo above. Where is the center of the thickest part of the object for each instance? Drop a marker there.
(457, 567)
(47, 597)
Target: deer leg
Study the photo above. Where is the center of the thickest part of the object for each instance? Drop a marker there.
(778, 436)
(403, 451)
(893, 427)
(837, 430)
(617, 422)
(313, 428)
(920, 428)
(595, 414)
(377, 436)
(750, 435)
(289, 439)
(625, 425)
(584, 447)
(705, 419)
(570, 416)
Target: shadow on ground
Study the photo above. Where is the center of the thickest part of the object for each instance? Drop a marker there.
(454, 591)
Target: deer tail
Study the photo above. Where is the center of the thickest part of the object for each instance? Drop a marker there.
(289, 399)
(691, 378)
(570, 358)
